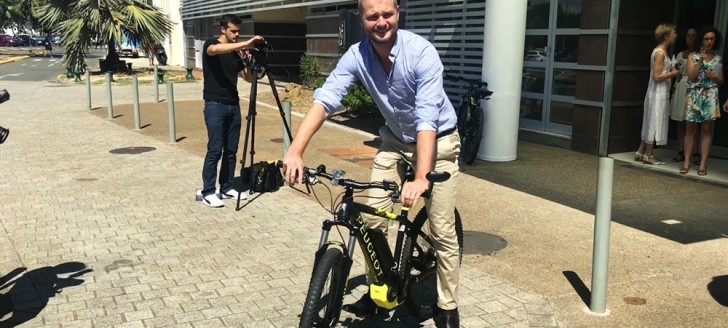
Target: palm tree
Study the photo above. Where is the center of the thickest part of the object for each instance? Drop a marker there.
(11, 12)
(108, 21)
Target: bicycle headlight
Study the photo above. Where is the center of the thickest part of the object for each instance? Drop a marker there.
(336, 176)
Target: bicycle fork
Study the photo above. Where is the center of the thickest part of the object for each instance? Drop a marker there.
(339, 283)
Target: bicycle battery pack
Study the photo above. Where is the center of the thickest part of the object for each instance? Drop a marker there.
(380, 294)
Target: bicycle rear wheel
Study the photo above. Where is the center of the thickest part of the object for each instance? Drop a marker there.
(421, 297)
(325, 292)
(471, 132)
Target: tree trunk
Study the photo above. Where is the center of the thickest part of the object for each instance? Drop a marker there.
(112, 55)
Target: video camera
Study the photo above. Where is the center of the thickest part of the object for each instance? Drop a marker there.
(4, 96)
(260, 53)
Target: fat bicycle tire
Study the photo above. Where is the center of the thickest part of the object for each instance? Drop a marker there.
(471, 132)
(323, 304)
(421, 298)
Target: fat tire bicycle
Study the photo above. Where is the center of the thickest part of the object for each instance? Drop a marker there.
(408, 276)
(470, 116)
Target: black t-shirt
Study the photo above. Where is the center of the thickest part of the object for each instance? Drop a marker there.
(221, 75)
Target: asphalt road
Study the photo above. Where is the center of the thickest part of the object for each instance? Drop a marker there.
(38, 68)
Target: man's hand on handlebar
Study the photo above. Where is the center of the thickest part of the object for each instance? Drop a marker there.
(412, 190)
(293, 168)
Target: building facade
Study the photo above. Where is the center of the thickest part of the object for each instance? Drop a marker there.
(585, 62)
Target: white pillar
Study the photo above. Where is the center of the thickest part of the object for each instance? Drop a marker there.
(503, 45)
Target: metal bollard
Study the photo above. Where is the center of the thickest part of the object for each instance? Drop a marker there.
(170, 111)
(286, 105)
(156, 85)
(600, 259)
(88, 89)
(135, 99)
(108, 93)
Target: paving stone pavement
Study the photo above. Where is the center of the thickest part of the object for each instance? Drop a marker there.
(94, 239)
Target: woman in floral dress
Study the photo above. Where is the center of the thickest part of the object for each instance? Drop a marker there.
(705, 75)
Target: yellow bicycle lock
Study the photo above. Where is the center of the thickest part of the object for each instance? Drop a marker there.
(380, 296)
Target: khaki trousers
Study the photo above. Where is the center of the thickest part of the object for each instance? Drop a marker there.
(441, 205)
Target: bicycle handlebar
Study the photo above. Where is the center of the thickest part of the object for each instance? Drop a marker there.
(337, 179)
(454, 78)
(477, 87)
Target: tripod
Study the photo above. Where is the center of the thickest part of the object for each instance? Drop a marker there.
(255, 68)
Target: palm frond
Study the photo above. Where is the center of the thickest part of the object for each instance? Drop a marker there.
(108, 21)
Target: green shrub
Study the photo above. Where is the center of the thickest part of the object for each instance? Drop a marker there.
(310, 70)
(359, 102)
(317, 83)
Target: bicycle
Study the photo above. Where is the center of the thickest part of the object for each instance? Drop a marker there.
(408, 276)
(4, 96)
(470, 117)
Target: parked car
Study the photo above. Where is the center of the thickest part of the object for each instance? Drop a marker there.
(24, 40)
(128, 48)
(6, 40)
(39, 40)
(56, 39)
(535, 55)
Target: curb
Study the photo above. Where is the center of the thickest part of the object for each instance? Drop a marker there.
(12, 59)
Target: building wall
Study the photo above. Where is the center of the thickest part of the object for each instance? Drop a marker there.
(589, 95)
(193, 9)
(325, 28)
(175, 43)
(284, 29)
(456, 29)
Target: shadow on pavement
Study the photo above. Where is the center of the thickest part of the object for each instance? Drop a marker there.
(399, 318)
(718, 288)
(30, 293)
(670, 206)
(579, 287)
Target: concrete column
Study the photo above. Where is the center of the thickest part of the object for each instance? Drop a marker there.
(503, 45)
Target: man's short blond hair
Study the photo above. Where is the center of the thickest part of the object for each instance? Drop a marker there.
(663, 31)
(361, 9)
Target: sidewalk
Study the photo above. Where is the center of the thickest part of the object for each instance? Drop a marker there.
(158, 258)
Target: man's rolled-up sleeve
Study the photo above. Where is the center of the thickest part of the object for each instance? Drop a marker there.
(428, 74)
(338, 84)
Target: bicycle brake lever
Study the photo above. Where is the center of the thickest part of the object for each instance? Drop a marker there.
(309, 177)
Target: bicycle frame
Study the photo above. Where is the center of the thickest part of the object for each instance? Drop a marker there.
(388, 288)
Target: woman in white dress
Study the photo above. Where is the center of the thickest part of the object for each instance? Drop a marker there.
(678, 101)
(657, 99)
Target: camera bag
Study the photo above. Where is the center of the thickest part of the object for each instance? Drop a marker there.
(266, 176)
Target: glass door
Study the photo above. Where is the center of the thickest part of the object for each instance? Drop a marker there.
(549, 68)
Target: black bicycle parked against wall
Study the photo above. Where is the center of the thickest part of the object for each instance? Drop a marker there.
(470, 116)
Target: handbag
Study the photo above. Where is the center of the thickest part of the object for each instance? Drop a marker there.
(266, 176)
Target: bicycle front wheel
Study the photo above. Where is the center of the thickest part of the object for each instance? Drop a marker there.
(325, 295)
(471, 132)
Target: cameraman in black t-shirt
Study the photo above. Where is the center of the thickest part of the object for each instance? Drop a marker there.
(222, 61)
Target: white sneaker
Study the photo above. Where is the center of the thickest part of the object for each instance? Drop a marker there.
(212, 201)
(232, 193)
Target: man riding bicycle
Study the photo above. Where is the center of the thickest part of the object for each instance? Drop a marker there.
(403, 74)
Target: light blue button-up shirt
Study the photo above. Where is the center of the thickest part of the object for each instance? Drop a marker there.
(411, 98)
